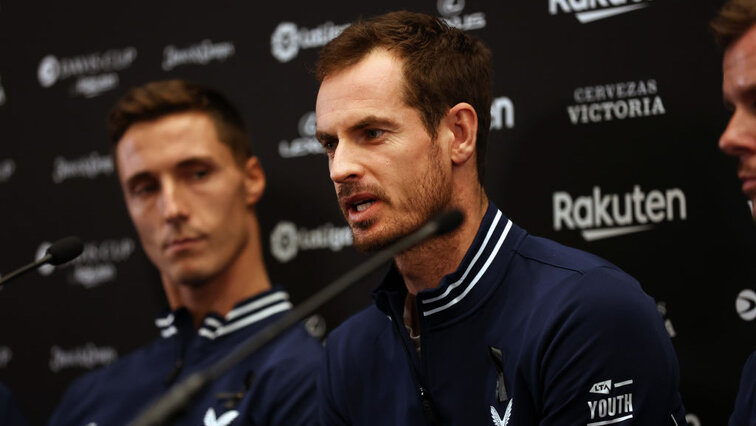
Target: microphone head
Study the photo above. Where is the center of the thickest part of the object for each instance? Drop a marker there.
(64, 250)
(448, 221)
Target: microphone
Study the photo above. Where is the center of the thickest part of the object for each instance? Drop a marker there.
(179, 395)
(59, 252)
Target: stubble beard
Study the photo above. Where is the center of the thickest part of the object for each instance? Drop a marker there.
(430, 196)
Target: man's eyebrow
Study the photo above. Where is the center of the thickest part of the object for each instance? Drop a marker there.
(324, 137)
(373, 120)
(137, 177)
(369, 121)
(747, 94)
(195, 161)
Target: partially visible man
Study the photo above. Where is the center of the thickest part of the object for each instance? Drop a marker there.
(10, 414)
(191, 184)
(487, 325)
(734, 28)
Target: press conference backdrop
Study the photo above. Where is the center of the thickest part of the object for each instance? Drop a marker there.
(606, 116)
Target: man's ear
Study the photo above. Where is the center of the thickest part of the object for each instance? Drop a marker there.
(254, 181)
(462, 121)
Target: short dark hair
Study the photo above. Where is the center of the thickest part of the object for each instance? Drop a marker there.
(734, 19)
(442, 66)
(156, 99)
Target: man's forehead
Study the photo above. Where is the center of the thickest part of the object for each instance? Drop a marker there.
(739, 62)
(371, 88)
(168, 141)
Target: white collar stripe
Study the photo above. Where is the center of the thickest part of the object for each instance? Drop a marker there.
(212, 322)
(168, 332)
(206, 333)
(257, 304)
(477, 277)
(165, 321)
(472, 263)
(258, 316)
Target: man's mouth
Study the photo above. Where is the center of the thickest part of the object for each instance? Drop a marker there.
(363, 205)
(181, 243)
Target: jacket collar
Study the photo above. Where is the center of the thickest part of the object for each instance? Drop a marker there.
(469, 286)
(245, 313)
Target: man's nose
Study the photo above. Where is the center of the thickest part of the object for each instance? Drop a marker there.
(739, 138)
(346, 163)
(173, 204)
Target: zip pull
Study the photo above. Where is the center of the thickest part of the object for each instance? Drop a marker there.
(498, 360)
(429, 411)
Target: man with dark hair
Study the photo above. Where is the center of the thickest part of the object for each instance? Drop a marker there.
(191, 185)
(487, 325)
(734, 28)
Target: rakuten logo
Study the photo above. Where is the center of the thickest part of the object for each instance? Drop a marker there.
(600, 216)
(593, 10)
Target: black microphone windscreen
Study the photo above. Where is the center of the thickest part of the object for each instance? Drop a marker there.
(65, 249)
(449, 221)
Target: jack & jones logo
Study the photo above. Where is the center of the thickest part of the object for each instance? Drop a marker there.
(7, 168)
(288, 39)
(451, 11)
(201, 54)
(745, 304)
(88, 167)
(96, 73)
(600, 216)
(306, 143)
(287, 240)
(593, 10)
(615, 101)
(88, 356)
(96, 264)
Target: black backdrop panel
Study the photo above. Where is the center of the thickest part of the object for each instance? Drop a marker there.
(606, 120)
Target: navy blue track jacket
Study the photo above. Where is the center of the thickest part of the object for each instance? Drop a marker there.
(275, 386)
(744, 413)
(525, 332)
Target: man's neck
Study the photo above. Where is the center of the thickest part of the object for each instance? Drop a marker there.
(424, 266)
(245, 278)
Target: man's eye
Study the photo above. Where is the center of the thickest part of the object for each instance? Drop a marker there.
(374, 133)
(199, 174)
(143, 189)
(329, 146)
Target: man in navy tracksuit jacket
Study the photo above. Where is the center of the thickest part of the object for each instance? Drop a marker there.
(734, 27)
(487, 325)
(272, 387)
(191, 183)
(9, 412)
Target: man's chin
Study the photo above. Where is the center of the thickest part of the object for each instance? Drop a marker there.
(189, 277)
